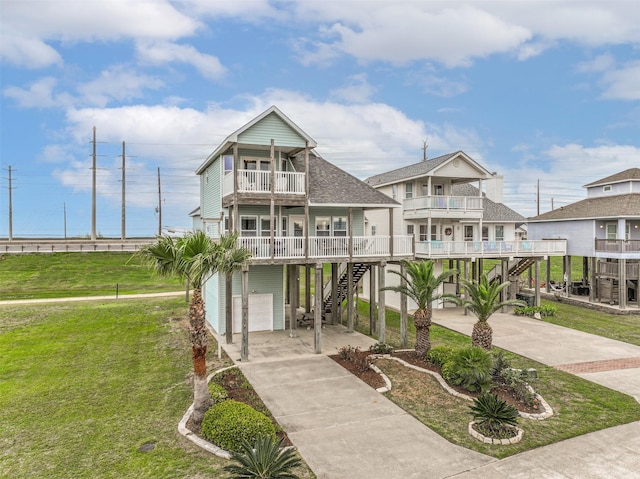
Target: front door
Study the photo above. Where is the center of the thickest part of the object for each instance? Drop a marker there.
(297, 229)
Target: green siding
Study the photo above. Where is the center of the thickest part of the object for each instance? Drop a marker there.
(271, 127)
(211, 190)
(358, 218)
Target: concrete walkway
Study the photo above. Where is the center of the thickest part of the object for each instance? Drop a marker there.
(343, 428)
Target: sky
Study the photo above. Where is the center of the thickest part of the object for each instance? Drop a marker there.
(545, 93)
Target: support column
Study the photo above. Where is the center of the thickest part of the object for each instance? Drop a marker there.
(372, 300)
(244, 346)
(622, 283)
(350, 297)
(335, 307)
(307, 288)
(592, 280)
(569, 279)
(537, 279)
(317, 315)
(381, 304)
(585, 270)
(404, 329)
(504, 273)
(293, 323)
(547, 284)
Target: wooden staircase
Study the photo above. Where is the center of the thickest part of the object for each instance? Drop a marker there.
(516, 268)
(359, 270)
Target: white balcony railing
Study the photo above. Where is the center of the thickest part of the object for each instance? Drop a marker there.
(455, 203)
(490, 249)
(611, 269)
(618, 246)
(293, 247)
(258, 181)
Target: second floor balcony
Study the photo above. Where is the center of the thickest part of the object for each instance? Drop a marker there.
(442, 207)
(261, 182)
(490, 249)
(622, 249)
(327, 248)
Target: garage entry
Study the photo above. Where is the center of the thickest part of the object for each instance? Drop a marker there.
(260, 313)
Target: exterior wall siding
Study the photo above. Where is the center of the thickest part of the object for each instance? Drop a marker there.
(213, 310)
(580, 235)
(271, 127)
(265, 279)
(616, 189)
(211, 190)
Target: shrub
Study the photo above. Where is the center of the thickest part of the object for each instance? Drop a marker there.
(263, 459)
(227, 423)
(440, 354)
(218, 393)
(517, 380)
(494, 415)
(545, 310)
(348, 352)
(469, 368)
(381, 348)
(500, 363)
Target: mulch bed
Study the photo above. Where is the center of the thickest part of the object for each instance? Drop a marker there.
(374, 380)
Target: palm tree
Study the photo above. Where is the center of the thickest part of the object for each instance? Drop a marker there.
(194, 257)
(422, 286)
(483, 299)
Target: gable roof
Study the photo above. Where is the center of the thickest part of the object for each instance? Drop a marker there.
(234, 137)
(331, 186)
(420, 169)
(614, 206)
(626, 175)
(493, 212)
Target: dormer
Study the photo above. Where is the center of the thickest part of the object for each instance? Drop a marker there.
(623, 183)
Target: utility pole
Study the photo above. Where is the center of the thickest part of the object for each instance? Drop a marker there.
(123, 234)
(159, 205)
(538, 198)
(64, 209)
(551, 204)
(10, 205)
(424, 150)
(93, 191)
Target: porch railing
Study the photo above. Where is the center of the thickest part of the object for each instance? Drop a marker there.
(259, 181)
(490, 249)
(457, 203)
(611, 269)
(293, 247)
(617, 246)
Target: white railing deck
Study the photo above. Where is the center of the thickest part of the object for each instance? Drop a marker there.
(457, 203)
(258, 181)
(490, 249)
(322, 247)
(618, 246)
(632, 270)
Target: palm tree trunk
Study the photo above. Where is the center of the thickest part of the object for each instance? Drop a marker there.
(198, 331)
(482, 335)
(228, 311)
(422, 321)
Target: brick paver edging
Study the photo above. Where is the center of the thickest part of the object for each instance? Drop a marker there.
(600, 366)
(547, 413)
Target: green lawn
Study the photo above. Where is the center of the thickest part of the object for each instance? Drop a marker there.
(61, 275)
(84, 385)
(580, 405)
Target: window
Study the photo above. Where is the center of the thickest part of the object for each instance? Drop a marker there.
(339, 226)
(410, 230)
(423, 233)
(226, 224)
(485, 233)
(408, 190)
(425, 190)
(468, 232)
(265, 226)
(434, 232)
(612, 231)
(248, 226)
(323, 226)
(606, 188)
(284, 226)
(438, 190)
(228, 163)
(499, 233)
(373, 230)
(394, 192)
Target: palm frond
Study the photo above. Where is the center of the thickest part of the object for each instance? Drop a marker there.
(420, 282)
(484, 297)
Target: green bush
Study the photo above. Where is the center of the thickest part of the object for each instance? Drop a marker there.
(440, 354)
(469, 368)
(381, 348)
(227, 423)
(266, 458)
(545, 310)
(218, 393)
(494, 415)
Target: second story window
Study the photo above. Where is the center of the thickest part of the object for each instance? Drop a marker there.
(339, 226)
(499, 233)
(468, 232)
(485, 233)
(438, 190)
(612, 231)
(248, 226)
(423, 233)
(228, 163)
(410, 230)
(323, 226)
(408, 190)
(394, 192)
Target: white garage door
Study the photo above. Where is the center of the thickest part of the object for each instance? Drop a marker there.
(260, 313)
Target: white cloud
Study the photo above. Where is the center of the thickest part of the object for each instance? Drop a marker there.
(600, 63)
(624, 83)
(438, 85)
(118, 82)
(26, 51)
(39, 94)
(357, 90)
(166, 52)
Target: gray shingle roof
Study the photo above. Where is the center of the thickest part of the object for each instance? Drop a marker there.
(328, 185)
(614, 206)
(410, 171)
(492, 211)
(626, 175)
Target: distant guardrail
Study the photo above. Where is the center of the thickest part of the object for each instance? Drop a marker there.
(21, 246)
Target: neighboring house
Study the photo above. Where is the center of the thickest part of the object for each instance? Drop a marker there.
(453, 207)
(293, 210)
(196, 219)
(604, 229)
